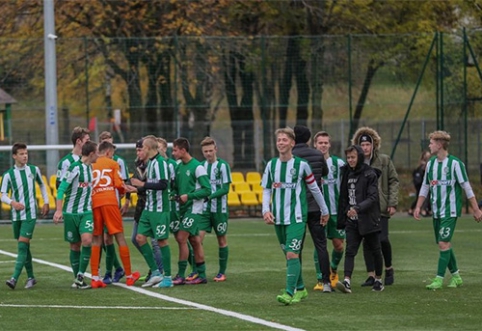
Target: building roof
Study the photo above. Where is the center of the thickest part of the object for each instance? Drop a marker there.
(6, 98)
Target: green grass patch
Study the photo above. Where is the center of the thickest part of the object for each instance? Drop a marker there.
(256, 273)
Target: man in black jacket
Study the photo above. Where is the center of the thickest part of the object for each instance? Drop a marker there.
(317, 230)
(359, 215)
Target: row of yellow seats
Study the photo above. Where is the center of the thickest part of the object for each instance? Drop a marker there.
(244, 199)
(252, 178)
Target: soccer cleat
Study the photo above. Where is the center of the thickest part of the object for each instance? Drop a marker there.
(299, 295)
(378, 286)
(80, 283)
(118, 274)
(455, 281)
(220, 278)
(343, 286)
(30, 283)
(285, 298)
(389, 278)
(178, 280)
(318, 286)
(197, 281)
(192, 276)
(436, 284)
(327, 288)
(334, 278)
(165, 283)
(12, 282)
(97, 284)
(369, 282)
(107, 278)
(131, 279)
(146, 277)
(155, 279)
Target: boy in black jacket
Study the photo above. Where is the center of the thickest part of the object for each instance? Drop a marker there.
(359, 214)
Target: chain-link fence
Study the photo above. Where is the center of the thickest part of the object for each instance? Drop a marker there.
(239, 90)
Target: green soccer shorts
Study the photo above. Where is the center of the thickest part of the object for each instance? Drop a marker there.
(75, 225)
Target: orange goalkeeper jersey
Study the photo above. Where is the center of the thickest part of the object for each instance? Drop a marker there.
(107, 184)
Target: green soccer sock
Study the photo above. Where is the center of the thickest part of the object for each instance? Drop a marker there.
(85, 253)
(300, 284)
(336, 257)
(443, 262)
(109, 257)
(292, 274)
(319, 276)
(146, 251)
(22, 249)
(223, 259)
(182, 265)
(190, 258)
(29, 264)
(201, 269)
(74, 261)
(116, 262)
(166, 259)
(453, 268)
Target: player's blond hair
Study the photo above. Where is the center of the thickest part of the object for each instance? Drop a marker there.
(321, 134)
(441, 136)
(150, 142)
(287, 131)
(162, 141)
(208, 141)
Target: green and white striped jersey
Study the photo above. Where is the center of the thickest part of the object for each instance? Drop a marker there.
(444, 180)
(77, 183)
(64, 165)
(219, 174)
(331, 183)
(21, 183)
(124, 170)
(192, 179)
(286, 180)
(157, 200)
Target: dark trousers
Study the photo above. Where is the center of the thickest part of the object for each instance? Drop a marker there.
(386, 248)
(353, 241)
(318, 234)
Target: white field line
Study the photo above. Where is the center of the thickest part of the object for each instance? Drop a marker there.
(95, 307)
(224, 312)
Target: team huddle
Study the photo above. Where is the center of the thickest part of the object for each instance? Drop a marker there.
(187, 198)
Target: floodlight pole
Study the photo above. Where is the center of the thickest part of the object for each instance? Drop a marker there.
(51, 118)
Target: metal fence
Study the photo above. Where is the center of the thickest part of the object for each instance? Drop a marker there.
(239, 90)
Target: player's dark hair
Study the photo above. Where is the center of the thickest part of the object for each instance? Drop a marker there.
(89, 147)
(105, 146)
(182, 143)
(18, 146)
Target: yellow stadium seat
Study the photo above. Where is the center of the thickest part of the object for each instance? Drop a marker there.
(253, 178)
(233, 199)
(52, 182)
(237, 177)
(257, 188)
(134, 198)
(249, 199)
(240, 188)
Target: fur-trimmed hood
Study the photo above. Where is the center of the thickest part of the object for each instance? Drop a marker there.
(365, 130)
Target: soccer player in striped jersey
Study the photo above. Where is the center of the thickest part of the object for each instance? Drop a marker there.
(219, 174)
(190, 189)
(331, 192)
(155, 218)
(79, 137)
(76, 210)
(284, 183)
(445, 178)
(20, 182)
